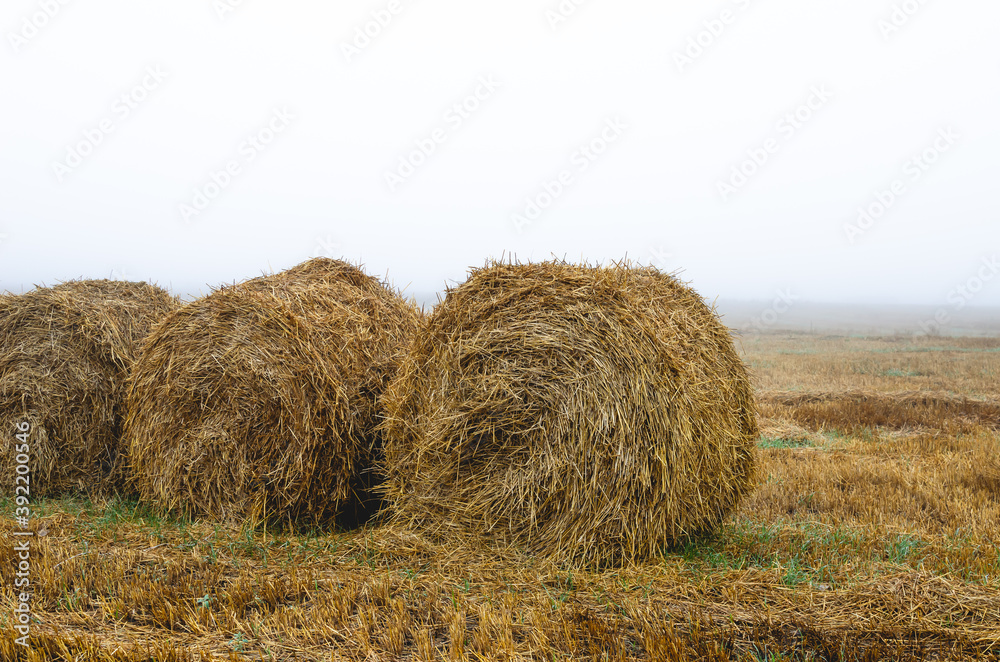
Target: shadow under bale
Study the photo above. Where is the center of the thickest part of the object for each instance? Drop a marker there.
(260, 401)
(583, 413)
(65, 353)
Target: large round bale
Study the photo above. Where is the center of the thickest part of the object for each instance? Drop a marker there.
(580, 413)
(260, 400)
(65, 354)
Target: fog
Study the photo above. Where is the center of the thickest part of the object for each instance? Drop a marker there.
(823, 152)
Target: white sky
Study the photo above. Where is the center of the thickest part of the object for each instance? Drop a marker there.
(320, 186)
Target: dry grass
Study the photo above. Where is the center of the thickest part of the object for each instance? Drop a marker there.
(259, 401)
(861, 543)
(851, 411)
(581, 412)
(968, 367)
(65, 352)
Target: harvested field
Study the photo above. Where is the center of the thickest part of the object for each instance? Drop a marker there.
(860, 543)
(906, 410)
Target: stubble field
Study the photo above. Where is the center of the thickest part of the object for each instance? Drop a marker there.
(874, 534)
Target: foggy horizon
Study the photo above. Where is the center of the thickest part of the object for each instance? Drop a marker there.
(427, 294)
(745, 145)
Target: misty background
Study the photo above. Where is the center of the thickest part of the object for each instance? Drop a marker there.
(783, 156)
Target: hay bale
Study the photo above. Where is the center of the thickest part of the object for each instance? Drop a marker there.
(259, 401)
(65, 353)
(581, 413)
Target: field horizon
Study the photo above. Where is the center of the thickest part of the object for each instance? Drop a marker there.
(792, 314)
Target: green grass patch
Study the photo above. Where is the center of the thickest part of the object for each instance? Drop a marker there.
(778, 442)
(802, 552)
(902, 549)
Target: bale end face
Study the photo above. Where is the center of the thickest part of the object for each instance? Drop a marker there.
(583, 413)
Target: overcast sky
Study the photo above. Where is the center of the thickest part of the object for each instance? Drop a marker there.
(193, 143)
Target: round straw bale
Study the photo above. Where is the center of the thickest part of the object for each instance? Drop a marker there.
(585, 413)
(259, 401)
(65, 354)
